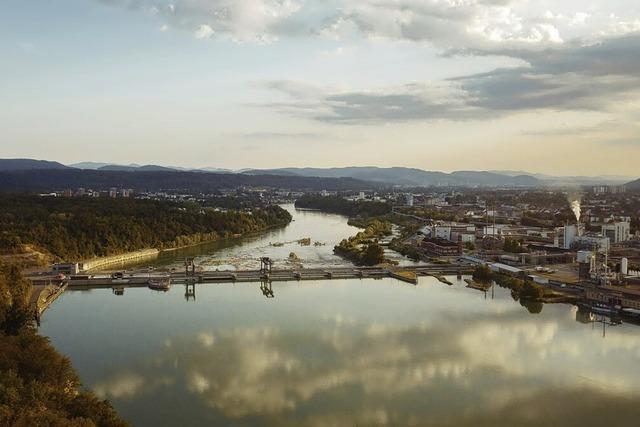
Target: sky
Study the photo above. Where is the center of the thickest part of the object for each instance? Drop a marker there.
(541, 86)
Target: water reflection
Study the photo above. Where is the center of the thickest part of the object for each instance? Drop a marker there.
(495, 364)
(267, 289)
(343, 352)
(190, 291)
(362, 353)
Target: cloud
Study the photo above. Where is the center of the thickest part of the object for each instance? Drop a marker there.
(282, 135)
(572, 77)
(446, 24)
(243, 21)
(415, 101)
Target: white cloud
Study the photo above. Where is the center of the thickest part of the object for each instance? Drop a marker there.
(204, 32)
(573, 77)
(247, 20)
(446, 24)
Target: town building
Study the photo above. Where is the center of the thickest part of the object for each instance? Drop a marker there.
(409, 199)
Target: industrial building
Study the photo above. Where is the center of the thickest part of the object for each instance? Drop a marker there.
(617, 232)
(570, 233)
(452, 231)
(593, 241)
(440, 247)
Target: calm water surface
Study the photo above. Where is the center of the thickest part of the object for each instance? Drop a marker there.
(344, 353)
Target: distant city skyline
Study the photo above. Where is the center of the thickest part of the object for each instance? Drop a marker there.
(439, 85)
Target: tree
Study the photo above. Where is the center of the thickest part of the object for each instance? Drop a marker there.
(532, 291)
(15, 293)
(513, 246)
(482, 274)
(372, 254)
(38, 386)
(533, 307)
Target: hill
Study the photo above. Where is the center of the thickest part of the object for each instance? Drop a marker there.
(410, 176)
(633, 185)
(556, 180)
(470, 178)
(28, 164)
(135, 168)
(88, 165)
(53, 180)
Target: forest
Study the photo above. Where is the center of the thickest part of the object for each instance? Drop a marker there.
(74, 229)
(38, 386)
(340, 205)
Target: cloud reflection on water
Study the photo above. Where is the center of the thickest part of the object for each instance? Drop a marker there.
(351, 372)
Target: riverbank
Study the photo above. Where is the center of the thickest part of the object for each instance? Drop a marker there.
(151, 254)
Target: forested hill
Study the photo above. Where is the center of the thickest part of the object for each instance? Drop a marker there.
(52, 180)
(74, 229)
(339, 205)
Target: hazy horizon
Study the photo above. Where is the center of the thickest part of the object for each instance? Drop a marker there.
(438, 85)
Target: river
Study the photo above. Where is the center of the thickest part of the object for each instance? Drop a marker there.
(342, 353)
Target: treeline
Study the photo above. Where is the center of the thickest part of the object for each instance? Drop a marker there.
(432, 214)
(38, 386)
(74, 229)
(53, 180)
(340, 205)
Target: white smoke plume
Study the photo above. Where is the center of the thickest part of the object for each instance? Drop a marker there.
(575, 207)
(575, 201)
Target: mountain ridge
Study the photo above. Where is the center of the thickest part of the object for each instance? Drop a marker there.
(392, 176)
(408, 176)
(29, 164)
